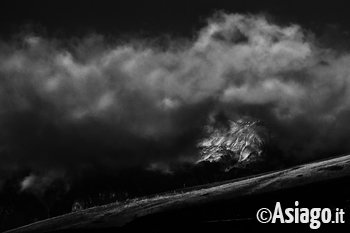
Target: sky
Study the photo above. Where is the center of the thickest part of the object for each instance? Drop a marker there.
(85, 77)
(174, 17)
(159, 39)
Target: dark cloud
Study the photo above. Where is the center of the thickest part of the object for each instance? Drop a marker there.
(69, 106)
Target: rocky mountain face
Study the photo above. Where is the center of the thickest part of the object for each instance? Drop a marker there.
(234, 144)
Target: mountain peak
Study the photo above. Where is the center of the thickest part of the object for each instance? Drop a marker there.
(236, 142)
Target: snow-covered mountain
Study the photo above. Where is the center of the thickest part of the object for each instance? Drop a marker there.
(236, 142)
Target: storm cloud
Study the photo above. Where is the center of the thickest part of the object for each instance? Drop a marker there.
(71, 105)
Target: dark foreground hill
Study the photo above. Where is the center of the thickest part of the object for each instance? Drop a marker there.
(231, 203)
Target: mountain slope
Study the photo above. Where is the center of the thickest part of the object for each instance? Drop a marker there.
(289, 184)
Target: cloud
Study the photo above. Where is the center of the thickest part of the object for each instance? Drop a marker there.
(73, 106)
(38, 184)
